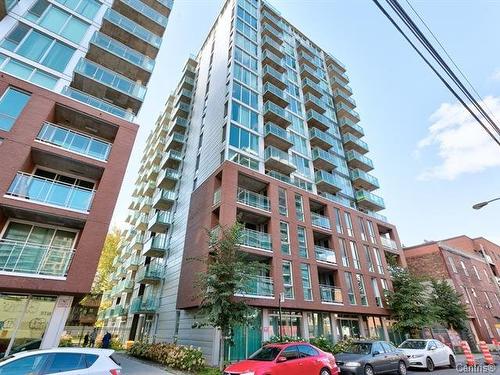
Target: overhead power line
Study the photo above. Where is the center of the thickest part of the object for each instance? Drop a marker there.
(401, 13)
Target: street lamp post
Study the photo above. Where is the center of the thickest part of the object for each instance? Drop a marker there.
(480, 205)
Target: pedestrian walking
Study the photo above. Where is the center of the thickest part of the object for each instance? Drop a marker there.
(106, 340)
(92, 337)
(86, 340)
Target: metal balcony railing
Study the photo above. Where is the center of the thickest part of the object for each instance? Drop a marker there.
(253, 199)
(253, 238)
(330, 294)
(324, 254)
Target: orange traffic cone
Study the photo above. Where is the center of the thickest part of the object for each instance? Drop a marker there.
(469, 358)
(488, 359)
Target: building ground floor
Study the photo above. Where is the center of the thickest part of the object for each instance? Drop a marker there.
(31, 321)
(265, 324)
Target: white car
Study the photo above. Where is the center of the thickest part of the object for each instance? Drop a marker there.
(428, 354)
(61, 361)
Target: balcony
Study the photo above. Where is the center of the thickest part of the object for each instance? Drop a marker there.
(184, 96)
(132, 263)
(258, 287)
(328, 182)
(305, 58)
(270, 45)
(277, 136)
(354, 143)
(341, 96)
(348, 126)
(256, 239)
(150, 274)
(97, 103)
(363, 180)
(181, 110)
(50, 192)
(167, 178)
(119, 311)
(357, 160)
(339, 84)
(273, 33)
(314, 103)
(344, 110)
(105, 83)
(74, 141)
(164, 199)
(389, 243)
(187, 83)
(141, 223)
(311, 87)
(276, 114)
(148, 188)
(34, 259)
(271, 19)
(307, 72)
(156, 246)
(137, 241)
(141, 305)
(160, 221)
(274, 94)
(171, 159)
(145, 204)
(119, 57)
(308, 49)
(318, 120)
(323, 159)
(179, 124)
(325, 255)
(320, 221)
(130, 33)
(332, 60)
(331, 294)
(253, 199)
(338, 73)
(318, 138)
(175, 142)
(123, 286)
(269, 74)
(276, 62)
(143, 14)
(369, 201)
(278, 160)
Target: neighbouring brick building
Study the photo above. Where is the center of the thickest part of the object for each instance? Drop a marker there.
(472, 266)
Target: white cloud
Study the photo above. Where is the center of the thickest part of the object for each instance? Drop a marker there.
(462, 144)
(496, 75)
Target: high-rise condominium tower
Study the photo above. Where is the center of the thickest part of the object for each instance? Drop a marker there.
(261, 129)
(73, 75)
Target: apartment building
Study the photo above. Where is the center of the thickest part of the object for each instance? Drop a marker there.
(261, 128)
(73, 75)
(471, 265)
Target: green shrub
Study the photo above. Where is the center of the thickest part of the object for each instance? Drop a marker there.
(342, 346)
(282, 340)
(322, 343)
(175, 356)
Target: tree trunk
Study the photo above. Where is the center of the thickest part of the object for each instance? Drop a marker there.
(221, 352)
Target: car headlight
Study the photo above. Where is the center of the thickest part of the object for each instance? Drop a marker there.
(352, 364)
(416, 355)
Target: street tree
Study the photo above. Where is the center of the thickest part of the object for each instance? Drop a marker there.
(229, 272)
(448, 307)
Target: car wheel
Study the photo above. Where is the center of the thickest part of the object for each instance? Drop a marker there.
(324, 371)
(453, 364)
(369, 370)
(430, 364)
(402, 368)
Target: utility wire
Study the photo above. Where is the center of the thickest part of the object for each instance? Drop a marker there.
(430, 48)
(388, 16)
(451, 59)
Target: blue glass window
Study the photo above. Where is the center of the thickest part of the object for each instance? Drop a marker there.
(244, 116)
(12, 104)
(243, 139)
(87, 8)
(245, 76)
(245, 95)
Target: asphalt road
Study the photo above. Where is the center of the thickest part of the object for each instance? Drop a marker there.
(461, 368)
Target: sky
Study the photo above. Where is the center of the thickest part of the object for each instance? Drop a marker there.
(432, 160)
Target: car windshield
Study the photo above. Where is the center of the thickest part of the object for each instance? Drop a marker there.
(413, 344)
(359, 348)
(267, 353)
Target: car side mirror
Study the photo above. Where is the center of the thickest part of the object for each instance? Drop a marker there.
(281, 359)
(433, 348)
(375, 353)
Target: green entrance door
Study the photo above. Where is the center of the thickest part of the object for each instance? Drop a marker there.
(246, 340)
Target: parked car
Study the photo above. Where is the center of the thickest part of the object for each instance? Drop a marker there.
(286, 359)
(428, 354)
(371, 358)
(61, 361)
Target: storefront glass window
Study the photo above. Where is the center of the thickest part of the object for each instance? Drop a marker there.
(290, 324)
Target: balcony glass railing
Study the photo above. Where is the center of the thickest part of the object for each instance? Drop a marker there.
(144, 305)
(275, 90)
(314, 99)
(74, 141)
(147, 11)
(351, 138)
(364, 195)
(318, 153)
(163, 194)
(320, 220)
(253, 238)
(97, 103)
(46, 191)
(271, 56)
(151, 271)
(253, 199)
(170, 174)
(121, 50)
(258, 286)
(324, 254)
(272, 18)
(274, 73)
(312, 60)
(346, 97)
(271, 128)
(172, 155)
(325, 137)
(307, 69)
(354, 155)
(132, 27)
(377, 216)
(32, 258)
(330, 294)
(343, 121)
(110, 78)
(162, 218)
(269, 28)
(274, 153)
(341, 106)
(133, 261)
(359, 174)
(313, 115)
(331, 179)
(308, 82)
(389, 243)
(272, 43)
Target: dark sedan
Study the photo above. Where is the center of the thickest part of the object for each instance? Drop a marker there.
(371, 358)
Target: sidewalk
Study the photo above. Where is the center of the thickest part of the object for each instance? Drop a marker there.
(134, 366)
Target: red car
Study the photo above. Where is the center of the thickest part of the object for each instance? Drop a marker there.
(298, 358)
